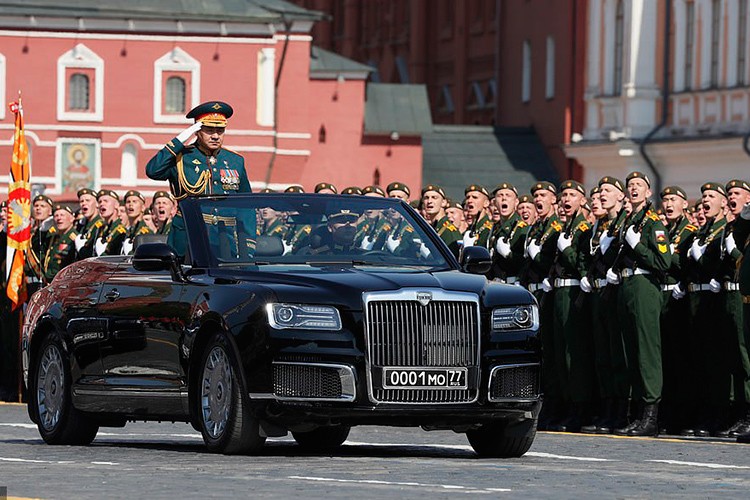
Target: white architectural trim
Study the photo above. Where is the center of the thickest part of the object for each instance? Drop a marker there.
(526, 71)
(80, 56)
(549, 87)
(610, 14)
(729, 54)
(176, 60)
(265, 93)
(155, 130)
(2, 86)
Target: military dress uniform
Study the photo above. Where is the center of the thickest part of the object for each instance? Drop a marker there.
(60, 253)
(507, 246)
(137, 229)
(742, 234)
(448, 233)
(193, 172)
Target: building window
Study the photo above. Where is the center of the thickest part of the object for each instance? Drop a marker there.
(266, 88)
(526, 72)
(129, 166)
(715, 41)
(176, 86)
(446, 18)
(489, 96)
(80, 85)
(402, 69)
(175, 95)
(549, 88)
(445, 101)
(619, 46)
(476, 97)
(689, 44)
(742, 43)
(375, 75)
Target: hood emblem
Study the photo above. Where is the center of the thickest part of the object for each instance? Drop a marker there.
(424, 298)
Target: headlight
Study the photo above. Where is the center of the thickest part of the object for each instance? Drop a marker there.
(515, 318)
(282, 316)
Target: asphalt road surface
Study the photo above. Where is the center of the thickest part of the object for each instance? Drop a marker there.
(165, 460)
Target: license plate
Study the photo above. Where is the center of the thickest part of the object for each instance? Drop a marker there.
(424, 378)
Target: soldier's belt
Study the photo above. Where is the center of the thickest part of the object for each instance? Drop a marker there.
(600, 283)
(510, 280)
(699, 287)
(533, 287)
(730, 287)
(668, 288)
(562, 282)
(627, 273)
(32, 279)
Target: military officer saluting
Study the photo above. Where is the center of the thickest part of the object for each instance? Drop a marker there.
(61, 248)
(204, 167)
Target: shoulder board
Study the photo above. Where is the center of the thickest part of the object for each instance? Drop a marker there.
(449, 225)
(231, 151)
(145, 230)
(487, 224)
(72, 236)
(386, 227)
(307, 229)
(583, 226)
(522, 224)
(98, 223)
(556, 226)
(53, 230)
(120, 229)
(652, 215)
(409, 229)
(691, 228)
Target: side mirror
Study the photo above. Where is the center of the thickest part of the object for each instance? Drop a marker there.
(476, 260)
(154, 257)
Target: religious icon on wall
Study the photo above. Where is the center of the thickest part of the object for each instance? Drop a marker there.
(78, 161)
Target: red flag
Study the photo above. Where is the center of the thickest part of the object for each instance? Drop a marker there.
(19, 210)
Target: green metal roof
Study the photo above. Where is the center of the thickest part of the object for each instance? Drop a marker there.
(456, 156)
(397, 107)
(249, 11)
(326, 64)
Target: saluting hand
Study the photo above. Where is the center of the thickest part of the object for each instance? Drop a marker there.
(188, 132)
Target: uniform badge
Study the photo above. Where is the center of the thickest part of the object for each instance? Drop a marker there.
(230, 179)
(661, 237)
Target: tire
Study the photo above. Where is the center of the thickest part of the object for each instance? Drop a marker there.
(322, 438)
(50, 398)
(503, 440)
(224, 415)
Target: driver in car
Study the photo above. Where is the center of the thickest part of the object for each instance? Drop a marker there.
(339, 239)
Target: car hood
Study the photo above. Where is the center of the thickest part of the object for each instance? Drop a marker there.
(344, 286)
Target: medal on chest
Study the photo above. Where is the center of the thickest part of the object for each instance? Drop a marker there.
(230, 178)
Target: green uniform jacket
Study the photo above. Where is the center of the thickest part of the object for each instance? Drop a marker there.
(448, 233)
(88, 231)
(514, 230)
(573, 262)
(652, 252)
(681, 234)
(728, 267)
(544, 233)
(139, 228)
(60, 253)
(276, 228)
(708, 267)
(481, 230)
(112, 235)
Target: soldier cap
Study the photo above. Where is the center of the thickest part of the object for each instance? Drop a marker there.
(478, 188)
(714, 186)
(398, 186)
(343, 216)
(83, 191)
(64, 207)
(454, 204)
(135, 193)
(674, 190)
(574, 185)
(108, 192)
(211, 114)
(637, 175)
(325, 185)
(612, 181)
(543, 185)
(163, 194)
(294, 189)
(504, 185)
(44, 198)
(594, 190)
(374, 189)
(352, 190)
(266, 190)
(525, 198)
(736, 183)
(434, 187)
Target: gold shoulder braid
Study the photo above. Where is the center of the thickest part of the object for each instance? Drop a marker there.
(191, 189)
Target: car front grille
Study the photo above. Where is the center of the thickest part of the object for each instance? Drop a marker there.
(514, 383)
(307, 381)
(403, 332)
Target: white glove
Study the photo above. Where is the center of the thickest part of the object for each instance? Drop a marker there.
(696, 250)
(564, 242)
(714, 285)
(127, 247)
(745, 214)
(424, 251)
(502, 246)
(672, 248)
(188, 132)
(632, 237)
(546, 285)
(533, 249)
(287, 247)
(80, 241)
(392, 243)
(469, 240)
(366, 243)
(678, 292)
(586, 285)
(612, 277)
(100, 246)
(730, 244)
(605, 241)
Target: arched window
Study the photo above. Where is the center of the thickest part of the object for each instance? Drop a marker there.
(78, 92)
(129, 166)
(715, 41)
(175, 98)
(619, 43)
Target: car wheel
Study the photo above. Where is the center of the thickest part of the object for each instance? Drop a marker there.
(225, 420)
(322, 438)
(58, 421)
(503, 440)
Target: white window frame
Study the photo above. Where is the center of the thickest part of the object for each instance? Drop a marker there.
(129, 165)
(176, 60)
(526, 71)
(2, 86)
(80, 57)
(266, 92)
(549, 87)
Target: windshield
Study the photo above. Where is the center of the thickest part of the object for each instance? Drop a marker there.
(308, 229)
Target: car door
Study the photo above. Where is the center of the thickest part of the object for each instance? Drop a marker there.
(141, 353)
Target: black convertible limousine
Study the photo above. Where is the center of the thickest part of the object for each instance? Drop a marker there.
(303, 326)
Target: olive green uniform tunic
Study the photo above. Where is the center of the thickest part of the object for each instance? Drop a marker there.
(514, 230)
(88, 230)
(60, 253)
(448, 233)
